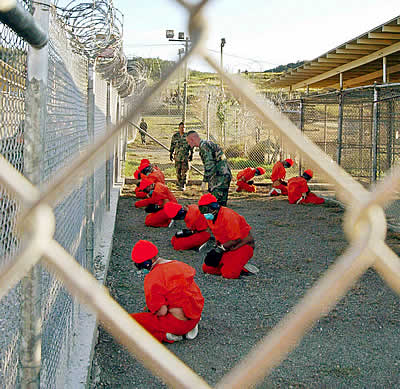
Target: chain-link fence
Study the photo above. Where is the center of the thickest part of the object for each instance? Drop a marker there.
(68, 127)
(356, 127)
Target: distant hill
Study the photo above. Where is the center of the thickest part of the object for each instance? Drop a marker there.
(283, 68)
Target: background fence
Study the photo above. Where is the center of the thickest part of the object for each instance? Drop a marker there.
(79, 106)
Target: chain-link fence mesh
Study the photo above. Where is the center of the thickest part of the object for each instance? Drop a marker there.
(13, 59)
(64, 135)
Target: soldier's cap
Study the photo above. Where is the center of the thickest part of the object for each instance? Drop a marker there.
(171, 209)
(261, 170)
(145, 183)
(289, 161)
(309, 172)
(143, 250)
(207, 198)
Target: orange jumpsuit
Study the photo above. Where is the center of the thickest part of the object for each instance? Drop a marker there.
(297, 186)
(229, 225)
(277, 176)
(196, 222)
(171, 284)
(161, 194)
(156, 176)
(242, 178)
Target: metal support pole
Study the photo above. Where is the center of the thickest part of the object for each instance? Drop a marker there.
(90, 180)
(117, 148)
(360, 139)
(375, 133)
(340, 81)
(302, 131)
(35, 128)
(325, 126)
(185, 82)
(179, 82)
(208, 116)
(340, 129)
(108, 154)
(223, 41)
(384, 70)
(389, 148)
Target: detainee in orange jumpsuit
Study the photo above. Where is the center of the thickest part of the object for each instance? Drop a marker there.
(174, 300)
(299, 192)
(233, 237)
(196, 234)
(279, 185)
(243, 179)
(151, 172)
(159, 195)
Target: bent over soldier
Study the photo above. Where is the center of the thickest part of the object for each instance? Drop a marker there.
(216, 169)
(182, 153)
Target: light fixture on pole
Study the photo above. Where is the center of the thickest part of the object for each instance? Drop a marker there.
(223, 41)
(181, 38)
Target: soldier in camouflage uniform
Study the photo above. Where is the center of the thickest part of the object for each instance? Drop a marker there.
(183, 154)
(216, 169)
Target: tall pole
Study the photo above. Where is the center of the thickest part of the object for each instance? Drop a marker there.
(35, 127)
(180, 52)
(223, 41)
(185, 83)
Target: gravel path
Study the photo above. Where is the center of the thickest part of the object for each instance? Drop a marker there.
(357, 345)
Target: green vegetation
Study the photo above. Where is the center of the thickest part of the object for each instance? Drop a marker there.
(284, 68)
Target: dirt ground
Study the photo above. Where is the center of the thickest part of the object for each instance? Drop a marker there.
(357, 345)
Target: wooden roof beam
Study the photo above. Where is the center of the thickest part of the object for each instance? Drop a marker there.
(368, 41)
(383, 35)
(391, 29)
(332, 60)
(351, 65)
(368, 77)
(364, 47)
(352, 51)
(343, 56)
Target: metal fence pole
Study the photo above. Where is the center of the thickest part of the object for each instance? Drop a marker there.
(389, 150)
(375, 132)
(208, 116)
(185, 83)
(108, 156)
(35, 127)
(302, 130)
(90, 179)
(340, 129)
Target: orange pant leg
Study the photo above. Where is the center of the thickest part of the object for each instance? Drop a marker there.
(245, 186)
(313, 199)
(232, 263)
(140, 194)
(157, 219)
(282, 188)
(158, 326)
(191, 241)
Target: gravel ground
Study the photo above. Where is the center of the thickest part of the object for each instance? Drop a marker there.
(357, 345)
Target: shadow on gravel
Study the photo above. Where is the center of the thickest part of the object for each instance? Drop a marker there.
(356, 345)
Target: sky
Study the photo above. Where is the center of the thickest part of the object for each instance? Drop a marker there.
(260, 34)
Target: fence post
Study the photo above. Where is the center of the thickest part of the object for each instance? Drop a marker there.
(108, 157)
(302, 130)
(375, 132)
(208, 116)
(35, 127)
(90, 179)
(340, 129)
(390, 134)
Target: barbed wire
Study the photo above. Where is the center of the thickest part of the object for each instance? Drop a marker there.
(96, 29)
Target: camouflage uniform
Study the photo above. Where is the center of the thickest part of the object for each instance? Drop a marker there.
(143, 126)
(216, 170)
(183, 152)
